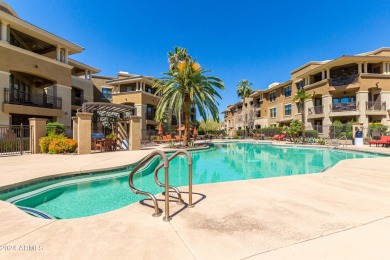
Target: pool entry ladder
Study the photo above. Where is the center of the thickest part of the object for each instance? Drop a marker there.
(166, 185)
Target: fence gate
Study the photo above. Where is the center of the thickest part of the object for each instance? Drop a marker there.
(15, 139)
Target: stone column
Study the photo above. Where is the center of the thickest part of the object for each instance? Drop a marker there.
(84, 132)
(365, 67)
(308, 104)
(4, 31)
(323, 74)
(75, 128)
(4, 83)
(66, 54)
(359, 68)
(65, 93)
(362, 98)
(38, 131)
(58, 53)
(134, 133)
(328, 73)
(326, 102)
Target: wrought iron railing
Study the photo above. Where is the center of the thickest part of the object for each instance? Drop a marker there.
(150, 116)
(78, 101)
(343, 80)
(316, 110)
(344, 107)
(15, 139)
(376, 106)
(17, 97)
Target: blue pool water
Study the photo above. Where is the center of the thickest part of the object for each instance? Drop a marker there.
(86, 196)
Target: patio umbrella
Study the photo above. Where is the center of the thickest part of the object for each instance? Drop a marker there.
(160, 130)
(194, 133)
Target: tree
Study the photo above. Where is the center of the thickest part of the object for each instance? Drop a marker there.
(294, 129)
(209, 126)
(186, 85)
(244, 90)
(301, 97)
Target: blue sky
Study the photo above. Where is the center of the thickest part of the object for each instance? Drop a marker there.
(261, 41)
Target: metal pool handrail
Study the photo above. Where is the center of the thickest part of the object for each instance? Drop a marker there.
(136, 191)
(181, 151)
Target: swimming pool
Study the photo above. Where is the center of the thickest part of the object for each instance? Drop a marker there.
(86, 196)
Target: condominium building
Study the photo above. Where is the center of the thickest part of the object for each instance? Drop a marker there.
(348, 88)
(37, 77)
(134, 90)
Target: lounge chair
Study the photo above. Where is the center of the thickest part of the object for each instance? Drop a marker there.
(384, 141)
(279, 137)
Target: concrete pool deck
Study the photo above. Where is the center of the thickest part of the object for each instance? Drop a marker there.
(343, 213)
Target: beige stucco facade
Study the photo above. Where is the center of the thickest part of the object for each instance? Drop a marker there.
(349, 88)
(37, 77)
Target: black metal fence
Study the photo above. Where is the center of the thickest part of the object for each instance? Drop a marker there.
(15, 139)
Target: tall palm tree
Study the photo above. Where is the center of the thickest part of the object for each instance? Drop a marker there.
(186, 85)
(244, 90)
(301, 97)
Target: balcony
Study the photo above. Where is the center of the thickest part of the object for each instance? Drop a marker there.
(16, 97)
(150, 116)
(78, 101)
(376, 108)
(316, 112)
(344, 109)
(343, 80)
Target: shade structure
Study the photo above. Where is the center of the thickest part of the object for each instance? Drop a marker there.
(160, 129)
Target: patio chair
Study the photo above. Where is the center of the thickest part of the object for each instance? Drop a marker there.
(384, 141)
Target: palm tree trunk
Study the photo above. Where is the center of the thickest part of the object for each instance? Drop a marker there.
(303, 120)
(187, 114)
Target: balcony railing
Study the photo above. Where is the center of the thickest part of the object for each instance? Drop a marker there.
(344, 107)
(316, 110)
(375, 106)
(31, 99)
(77, 101)
(343, 80)
(239, 111)
(150, 116)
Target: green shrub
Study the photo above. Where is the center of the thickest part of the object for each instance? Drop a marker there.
(236, 137)
(55, 128)
(311, 134)
(62, 146)
(335, 129)
(240, 132)
(271, 131)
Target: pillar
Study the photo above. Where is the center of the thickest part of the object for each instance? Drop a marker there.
(365, 67)
(4, 31)
(323, 74)
(4, 83)
(75, 128)
(58, 53)
(65, 93)
(326, 102)
(359, 68)
(38, 131)
(84, 132)
(66, 54)
(134, 133)
(362, 98)
(328, 73)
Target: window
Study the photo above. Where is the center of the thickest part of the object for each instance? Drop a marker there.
(300, 84)
(107, 93)
(287, 91)
(272, 96)
(287, 110)
(272, 112)
(299, 107)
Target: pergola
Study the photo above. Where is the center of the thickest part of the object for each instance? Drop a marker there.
(90, 107)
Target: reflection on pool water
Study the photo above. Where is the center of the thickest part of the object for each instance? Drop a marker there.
(86, 196)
